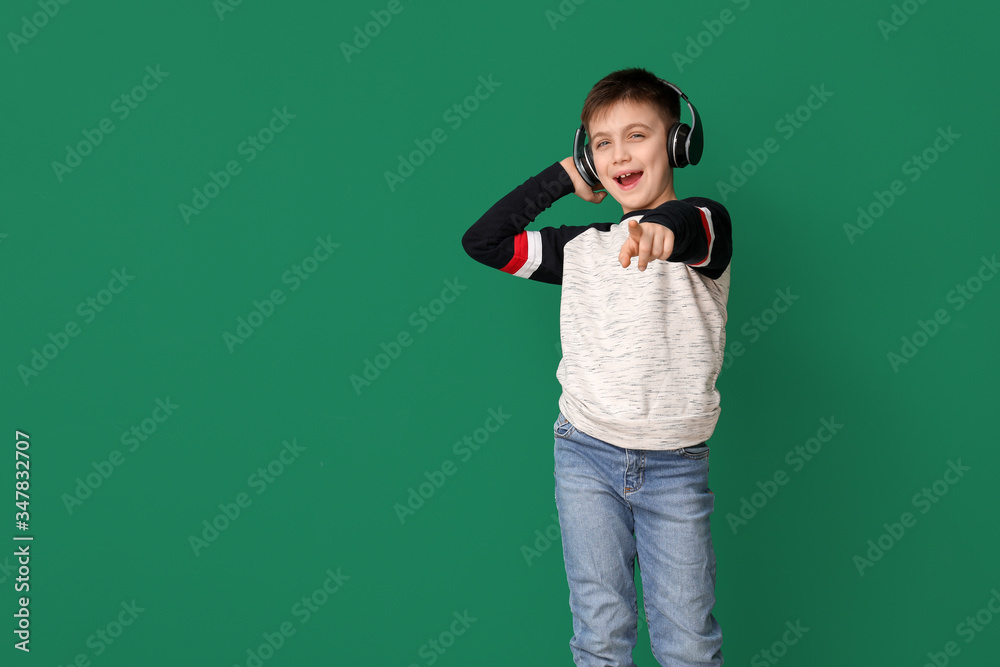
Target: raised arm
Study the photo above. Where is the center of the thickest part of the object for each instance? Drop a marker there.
(499, 240)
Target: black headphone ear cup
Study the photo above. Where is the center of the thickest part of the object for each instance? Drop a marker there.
(591, 167)
(676, 145)
(583, 158)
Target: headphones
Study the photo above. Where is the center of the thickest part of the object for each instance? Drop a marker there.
(684, 144)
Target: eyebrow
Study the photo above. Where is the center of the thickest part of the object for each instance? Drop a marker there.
(627, 128)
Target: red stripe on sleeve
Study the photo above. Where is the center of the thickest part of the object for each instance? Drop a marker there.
(708, 235)
(520, 254)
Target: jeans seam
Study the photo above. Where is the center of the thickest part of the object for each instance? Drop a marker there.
(642, 467)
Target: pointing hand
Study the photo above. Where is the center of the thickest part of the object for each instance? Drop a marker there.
(647, 241)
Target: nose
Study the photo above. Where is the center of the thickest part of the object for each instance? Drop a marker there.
(619, 152)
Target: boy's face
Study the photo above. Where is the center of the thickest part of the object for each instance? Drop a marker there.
(630, 137)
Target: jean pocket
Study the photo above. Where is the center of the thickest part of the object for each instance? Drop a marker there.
(695, 452)
(562, 428)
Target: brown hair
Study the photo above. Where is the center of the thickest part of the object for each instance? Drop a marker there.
(634, 84)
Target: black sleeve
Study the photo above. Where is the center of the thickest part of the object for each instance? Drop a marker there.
(703, 233)
(499, 240)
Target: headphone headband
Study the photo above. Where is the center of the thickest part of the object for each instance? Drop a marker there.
(685, 143)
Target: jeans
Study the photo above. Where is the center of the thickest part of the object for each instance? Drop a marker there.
(616, 505)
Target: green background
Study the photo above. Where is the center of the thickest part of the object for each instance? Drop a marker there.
(493, 347)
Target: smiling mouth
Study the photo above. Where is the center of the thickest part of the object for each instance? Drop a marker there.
(628, 180)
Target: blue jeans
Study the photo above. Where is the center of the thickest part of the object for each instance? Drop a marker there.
(616, 505)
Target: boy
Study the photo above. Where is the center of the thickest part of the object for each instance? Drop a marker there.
(642, 347)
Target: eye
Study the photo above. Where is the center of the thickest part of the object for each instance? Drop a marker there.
(634, 134)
